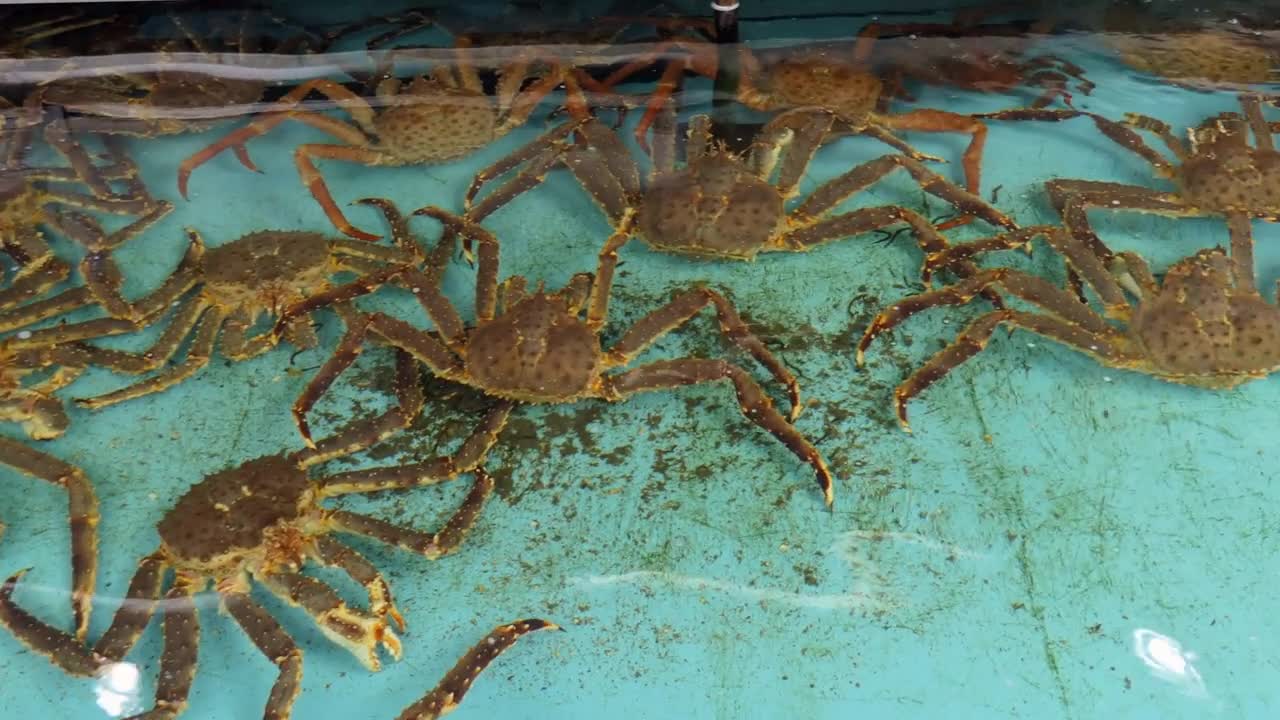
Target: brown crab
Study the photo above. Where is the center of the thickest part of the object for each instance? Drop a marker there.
(536, 347)
(1205, 324)
(1189, 52)
(1204, 59)
(982, 57)
(814, 78)
(430, 119)
(258, 274)
(721, 205)
(165, 101)
(1216, 174)
(27, 195)
(261, 522)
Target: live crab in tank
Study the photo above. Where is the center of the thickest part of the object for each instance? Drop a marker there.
(1215, 173)
(534, 346)
(806, 77)
(237, 283)
(721, 205)
(262, 522)
(166, 100)
(33, 198)
(432, 118)
(1204, 324)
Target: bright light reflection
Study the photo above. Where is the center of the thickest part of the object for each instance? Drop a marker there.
(1168, 661)
(117, 689)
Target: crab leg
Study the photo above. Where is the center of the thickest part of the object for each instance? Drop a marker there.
(361, 434)
(34, 280)
(157, 355)
(939, 254)
(178, 660)
(842, 187)
(273, 642)
(663, 152)
(198, 356)
(358, 632)
(183, 278)
(544, 154)
(57, 135)
(526, 102)
(134, 613)
(603, 167)
(592, 171)
(682, 309)
(1240, 226)
(1023, 285)
(346, 353)
(606, 264)
(1073, 198)
(408, 394)
(82, 512)
(862, 220)
(926, 120)
(487, 262)
(356, 106)
(548, 140)
(1117, 132)
(1262, 138)
(422, 346)
(100, 273)
(856, 222)
(62, 649)
(755, 405)
(448, 693)
(237, 346)
(404, 248)
(1132, 264)
(799, 132)
(320, 191)
(1161, 129)
(1108, 350)
(440, 469)
(430, 545)
(334, 553)
(696, 58)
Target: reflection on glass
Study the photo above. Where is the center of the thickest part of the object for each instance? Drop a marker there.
(117, 689)
(1168, 661)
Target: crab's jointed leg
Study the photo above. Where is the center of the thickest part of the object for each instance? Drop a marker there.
(358, 632)
(273, 642)
(429, 545)
(448, 693)
(82, 512)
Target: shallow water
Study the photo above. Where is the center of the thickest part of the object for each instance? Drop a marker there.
(1056, 539)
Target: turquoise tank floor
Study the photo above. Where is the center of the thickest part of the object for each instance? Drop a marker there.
(1055, 540)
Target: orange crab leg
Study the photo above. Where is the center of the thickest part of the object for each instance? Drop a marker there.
(353, 103)
(927, 120)
(667, 85)
(698, 60)
(659, 51)
(315, 182)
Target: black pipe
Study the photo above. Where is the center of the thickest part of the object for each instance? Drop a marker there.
(728, 69)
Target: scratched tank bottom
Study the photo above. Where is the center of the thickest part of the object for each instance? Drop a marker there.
(1055, 540)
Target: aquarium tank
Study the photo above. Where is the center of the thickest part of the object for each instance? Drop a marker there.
(538, 359)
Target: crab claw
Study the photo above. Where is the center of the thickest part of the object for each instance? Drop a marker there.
(242, 154)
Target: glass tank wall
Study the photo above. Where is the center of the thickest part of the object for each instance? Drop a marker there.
(794, 360)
